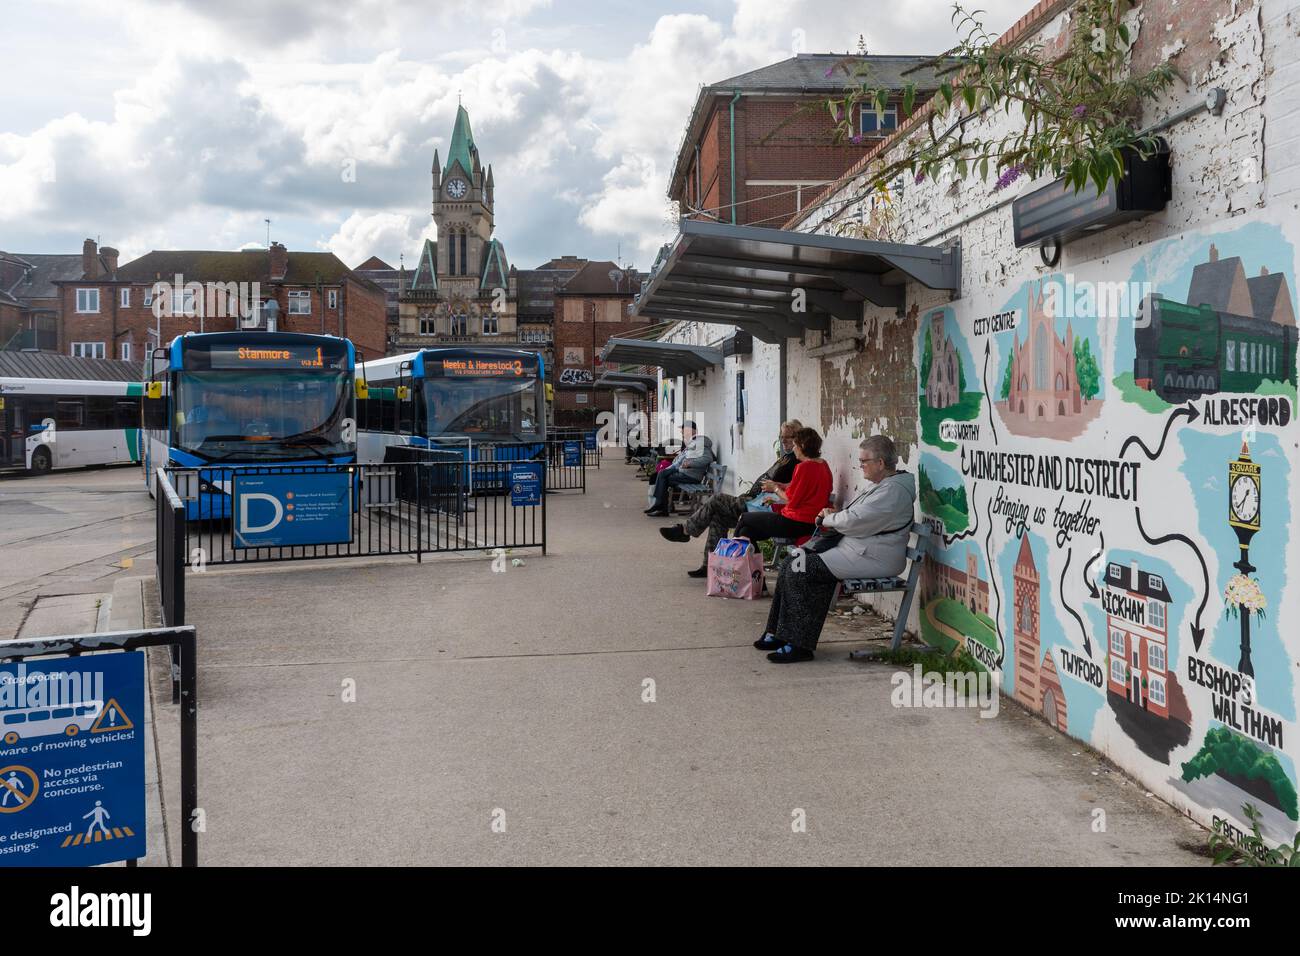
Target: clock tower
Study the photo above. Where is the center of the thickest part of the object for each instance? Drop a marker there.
(462, 211)
(1244, 490)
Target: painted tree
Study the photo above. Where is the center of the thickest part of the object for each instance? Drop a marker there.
(1085, 366)
(1006, 382)
(927, 358)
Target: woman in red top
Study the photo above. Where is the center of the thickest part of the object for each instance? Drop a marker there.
(807, 494)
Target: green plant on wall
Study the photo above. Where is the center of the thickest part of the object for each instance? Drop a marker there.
(1252, 851)
(1078, 110)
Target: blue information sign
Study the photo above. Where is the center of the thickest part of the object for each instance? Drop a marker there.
(72, 760)
(589, 441)
(572, 453)
(526, 483)
(292, 509)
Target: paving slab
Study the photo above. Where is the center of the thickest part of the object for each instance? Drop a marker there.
(593, 706)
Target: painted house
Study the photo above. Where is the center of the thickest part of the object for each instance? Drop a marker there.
(1137, 627)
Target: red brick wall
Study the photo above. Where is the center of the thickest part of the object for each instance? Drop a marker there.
(578, 334)
(366, 318)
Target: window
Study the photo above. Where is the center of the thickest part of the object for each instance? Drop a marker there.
(1117, 669)
(1243, 365)
(464, 254)
(87, 300)
(183, 302)
(1231, 354)
(1156, 691)
(300, 303)
(88, 349)
(334, 298)
(124, 298)
(460, 324)
(426, 325)
(148, 296)
(1117, 643)
(126, 351)
(1156, 657)
(878, 123)
(70, 413)
(1156, 613)
(490, 326)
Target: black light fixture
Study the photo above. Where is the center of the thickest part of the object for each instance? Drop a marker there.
(1054, 214)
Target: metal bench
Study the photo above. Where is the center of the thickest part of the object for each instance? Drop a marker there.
(691, 494)
(854, 586)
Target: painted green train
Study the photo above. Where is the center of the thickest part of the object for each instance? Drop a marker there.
(1186, 351)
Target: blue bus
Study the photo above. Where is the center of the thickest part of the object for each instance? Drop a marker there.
(487, 404)
(233, 399)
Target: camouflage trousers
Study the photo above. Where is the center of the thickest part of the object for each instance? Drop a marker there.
(718, 515)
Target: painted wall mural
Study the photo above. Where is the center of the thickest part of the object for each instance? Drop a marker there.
(1106, 461)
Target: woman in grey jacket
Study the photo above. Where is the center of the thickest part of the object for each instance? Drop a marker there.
(875, 529)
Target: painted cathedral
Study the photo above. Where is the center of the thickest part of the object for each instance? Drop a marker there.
(1044, 383)
(1038, 685)
(462, 288)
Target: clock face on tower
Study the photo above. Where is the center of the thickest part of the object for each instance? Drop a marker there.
(456, 188)
(1245, 499)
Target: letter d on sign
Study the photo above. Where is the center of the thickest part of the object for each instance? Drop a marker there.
(244, 527)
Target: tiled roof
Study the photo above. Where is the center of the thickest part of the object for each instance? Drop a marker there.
(373, 264)
(54, 365)
(426, 271)
(46, 270)
(462, 147)
(1264, 292)
(595, 279)
(247, 265)
(807, 72)
(496, 272)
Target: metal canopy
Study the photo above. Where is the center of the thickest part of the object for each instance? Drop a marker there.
(750, 277)
(675, 358)
(630, 381)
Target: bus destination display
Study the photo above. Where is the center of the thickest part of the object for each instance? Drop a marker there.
(269, 356)
(481, 367)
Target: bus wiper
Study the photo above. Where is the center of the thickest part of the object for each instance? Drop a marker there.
(315, 451)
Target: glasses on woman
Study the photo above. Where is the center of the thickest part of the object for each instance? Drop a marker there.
(863, 462)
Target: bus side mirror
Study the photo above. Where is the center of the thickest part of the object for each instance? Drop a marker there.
(153, 390)
(363, 390)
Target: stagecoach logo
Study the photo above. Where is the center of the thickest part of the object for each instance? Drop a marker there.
(44, 703)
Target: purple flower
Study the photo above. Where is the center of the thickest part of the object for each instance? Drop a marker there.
(855, 139)
(1080, 110)
(829, 72)
(1008, 177)
(920, 178)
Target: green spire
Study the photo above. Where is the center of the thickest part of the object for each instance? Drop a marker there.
(462, 144)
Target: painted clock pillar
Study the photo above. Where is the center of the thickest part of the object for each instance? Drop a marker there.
(1244, 489)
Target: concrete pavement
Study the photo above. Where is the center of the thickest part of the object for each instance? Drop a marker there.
(593, 706)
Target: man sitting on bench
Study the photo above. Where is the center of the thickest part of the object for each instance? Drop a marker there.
(719, 513)
(689, 468)
(874, 531)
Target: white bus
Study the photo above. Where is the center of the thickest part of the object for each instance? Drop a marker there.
(28, 722)
(48, 423)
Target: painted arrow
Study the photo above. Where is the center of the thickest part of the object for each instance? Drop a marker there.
(1198, 632)
(1087, 578)
(993, 579)
(987, 397)
(1187, 411)
(1087, 644)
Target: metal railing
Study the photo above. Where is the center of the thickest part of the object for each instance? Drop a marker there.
(169, 551)
(394, 508)
(587, 436)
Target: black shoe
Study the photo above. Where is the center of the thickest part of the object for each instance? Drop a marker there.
(701, 572)
(658, 513)
(767, 643)
(789, 654)
(676, 533)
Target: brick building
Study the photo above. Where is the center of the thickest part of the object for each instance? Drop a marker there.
(759, 146)
(31, 315)
(387, 278)
(109, 311)
(590, 308)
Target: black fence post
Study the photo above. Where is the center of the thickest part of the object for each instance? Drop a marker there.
(188, 648)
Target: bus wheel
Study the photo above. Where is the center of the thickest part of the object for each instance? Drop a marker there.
(72, 730)
(41, 461)
(11, 738)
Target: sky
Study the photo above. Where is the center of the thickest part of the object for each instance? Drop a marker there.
(185, 124)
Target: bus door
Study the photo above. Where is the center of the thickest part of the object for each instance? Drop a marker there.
(13, 433)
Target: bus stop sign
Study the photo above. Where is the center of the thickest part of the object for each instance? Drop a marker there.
(72, 760)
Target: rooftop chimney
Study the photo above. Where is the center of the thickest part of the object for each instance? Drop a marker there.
(279, 262)
(89, 260)
(109, 256)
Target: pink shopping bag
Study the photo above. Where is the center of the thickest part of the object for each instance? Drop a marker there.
(736, 577)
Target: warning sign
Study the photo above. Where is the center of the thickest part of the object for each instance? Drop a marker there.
(72, 780)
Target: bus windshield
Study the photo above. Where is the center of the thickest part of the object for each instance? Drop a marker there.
(493, 406)
(273, 415)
